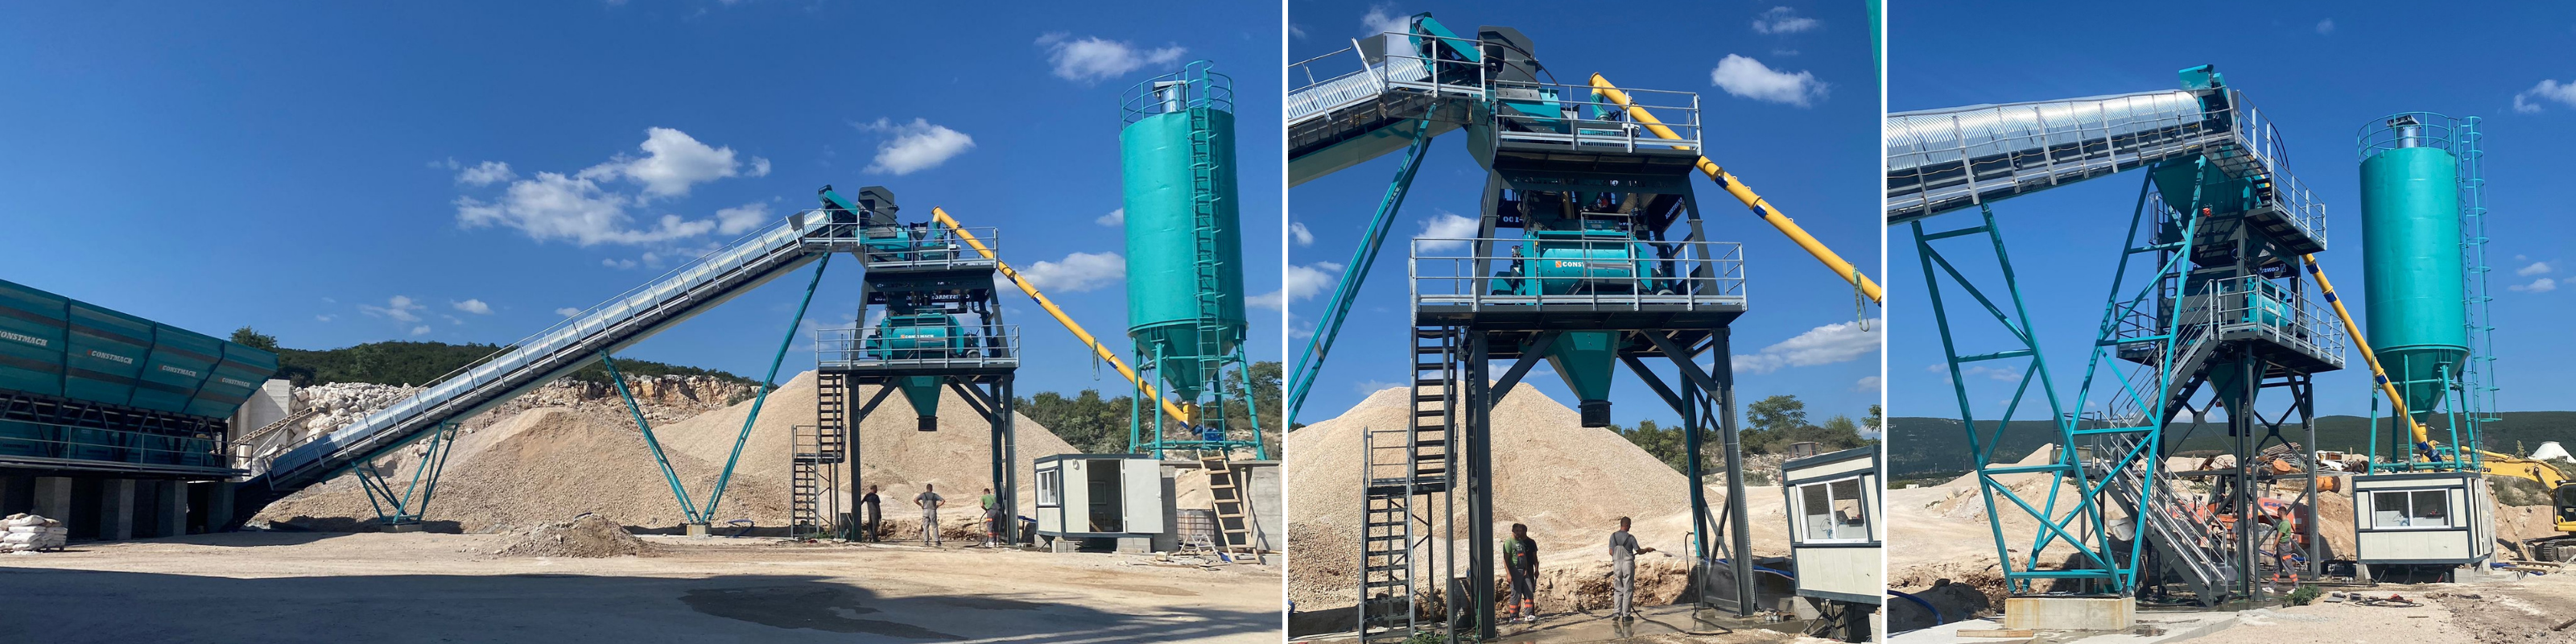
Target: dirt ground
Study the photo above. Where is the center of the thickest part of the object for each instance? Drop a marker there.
(2522, 610)
(290, 587)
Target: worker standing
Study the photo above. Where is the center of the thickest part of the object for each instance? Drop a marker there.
(1520, 557)
(1623, 571)
(871, 514)
(992, 519)
(929, 501)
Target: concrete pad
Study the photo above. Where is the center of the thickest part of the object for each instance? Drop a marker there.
(693, 529)
(2152, 628)
(2070, 613)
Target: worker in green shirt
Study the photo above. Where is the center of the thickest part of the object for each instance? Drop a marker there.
(1520, 557)
(992, 519)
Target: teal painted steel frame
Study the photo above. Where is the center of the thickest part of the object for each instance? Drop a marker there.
(760, 394)
(1311, 363)
(688, 508)
(424, 481)
(2017, 323)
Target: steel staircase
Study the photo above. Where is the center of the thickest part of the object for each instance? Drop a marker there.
(2187, 549)
(1404, 466)
(1235, 524)
(815, 449)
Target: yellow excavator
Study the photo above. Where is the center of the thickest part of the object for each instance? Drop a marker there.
(2562, 502)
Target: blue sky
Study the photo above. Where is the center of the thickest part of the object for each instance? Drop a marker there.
(2320, 71)
(298, 167)
(1799, 126)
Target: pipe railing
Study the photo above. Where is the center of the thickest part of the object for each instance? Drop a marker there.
(1685, 274)
(865, 347)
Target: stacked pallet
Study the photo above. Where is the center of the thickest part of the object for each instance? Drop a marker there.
(30, 533)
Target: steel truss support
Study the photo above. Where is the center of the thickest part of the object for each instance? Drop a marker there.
(2082, 526)
(1310, 364)
(406, 508)
(690, 512)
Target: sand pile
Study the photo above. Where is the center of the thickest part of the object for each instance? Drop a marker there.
(587, 536)
(547, 464)
(1568, 483)
(892, 454)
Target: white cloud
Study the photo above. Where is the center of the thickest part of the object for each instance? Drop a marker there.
(451, 319)
(584, 208)
(2325, 26)
(2535, 268)
(1783, 20)
(617, 263)
(915, 146)
(2542, 285)
(1449, 226)
(740, 219)
(486, 173)
(476, 307)
(1300, 283)
(567, 311)
(1868, 383)
(398, 307)
(321, 318)
(1828, 344)
(2547, 90)
(1091, 59)
(420, 330)
(1078, 272)
(673, 161)
(1297, 231)
(1748, 78)
(1382, 19)
(1115, 218)
(1296, 31)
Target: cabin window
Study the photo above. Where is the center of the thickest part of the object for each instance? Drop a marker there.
(2410, 509)
(1832, 512)
(1051, 488)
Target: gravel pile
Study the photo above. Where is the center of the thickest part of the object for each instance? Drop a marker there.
(586, 536)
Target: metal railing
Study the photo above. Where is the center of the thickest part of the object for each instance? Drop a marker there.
(1575, 117)
(69, 445)
(924, 246)
(1401, 66)
(1194, 87)
(863, 347)
(1947, 159)
(2231, 306)
(1636, 274)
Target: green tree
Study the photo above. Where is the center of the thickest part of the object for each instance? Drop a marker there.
(252, 338)
(1874, 421)
(1669, 445)
(1773, 419)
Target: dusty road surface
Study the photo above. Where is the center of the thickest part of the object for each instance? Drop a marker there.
(280, 588)
(2523, 610)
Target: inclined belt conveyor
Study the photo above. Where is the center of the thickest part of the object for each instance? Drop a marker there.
(1946, 159)
(568, 346)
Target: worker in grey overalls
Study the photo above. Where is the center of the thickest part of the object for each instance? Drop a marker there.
(1623, 571)
(929, 501)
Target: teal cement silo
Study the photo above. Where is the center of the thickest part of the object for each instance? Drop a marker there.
(2410, 214)
(1184, 246)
